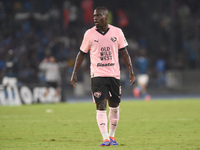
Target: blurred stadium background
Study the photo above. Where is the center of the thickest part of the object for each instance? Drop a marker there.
(169, 30)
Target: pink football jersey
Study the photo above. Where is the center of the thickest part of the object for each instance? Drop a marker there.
(104, 50)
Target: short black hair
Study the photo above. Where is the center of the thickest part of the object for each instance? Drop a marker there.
(102, 8)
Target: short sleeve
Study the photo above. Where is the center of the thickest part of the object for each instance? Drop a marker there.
(85, 46)
(122, 40)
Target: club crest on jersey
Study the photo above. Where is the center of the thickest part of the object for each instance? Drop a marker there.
(113, 39)
(97, 94)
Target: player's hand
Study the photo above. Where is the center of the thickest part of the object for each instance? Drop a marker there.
(132, 78)
(73, 80)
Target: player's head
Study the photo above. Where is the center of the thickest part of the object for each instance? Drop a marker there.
(52, 59)
(10, 54)
(100, 16)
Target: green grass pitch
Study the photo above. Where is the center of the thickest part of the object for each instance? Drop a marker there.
(170, 124)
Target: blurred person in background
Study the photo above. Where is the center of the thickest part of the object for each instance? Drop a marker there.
(52, 74)
(142, 76)
(10, 70)
(104, 42)
(10, 78)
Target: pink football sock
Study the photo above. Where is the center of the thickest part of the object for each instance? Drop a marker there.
(102, 120)
(113, 118)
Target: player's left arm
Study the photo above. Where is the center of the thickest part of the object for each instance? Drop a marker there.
(128, 63)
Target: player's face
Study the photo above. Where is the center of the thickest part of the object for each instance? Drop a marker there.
(52, 59)
(100, 18)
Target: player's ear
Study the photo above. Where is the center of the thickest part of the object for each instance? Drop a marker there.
(106, 17)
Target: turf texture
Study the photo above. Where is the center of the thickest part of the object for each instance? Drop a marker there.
(167, 124)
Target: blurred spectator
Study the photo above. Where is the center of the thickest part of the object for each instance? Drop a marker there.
(122, 18)
(36, 29)
(87, 7)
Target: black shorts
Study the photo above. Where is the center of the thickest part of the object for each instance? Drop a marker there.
(52, 84)
(106, 87)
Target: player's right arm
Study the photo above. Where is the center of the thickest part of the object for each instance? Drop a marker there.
(79, 59)
(85, 46)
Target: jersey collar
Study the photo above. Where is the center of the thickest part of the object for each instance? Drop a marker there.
(103, 33)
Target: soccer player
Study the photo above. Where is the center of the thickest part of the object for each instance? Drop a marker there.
(52, 74)
(104, 42)
(142, 76)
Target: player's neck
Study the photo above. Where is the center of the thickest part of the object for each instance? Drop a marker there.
(103, 29)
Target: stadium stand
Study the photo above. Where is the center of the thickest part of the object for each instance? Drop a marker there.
(168, 30)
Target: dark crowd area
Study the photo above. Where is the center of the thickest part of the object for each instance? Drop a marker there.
(32, 30)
